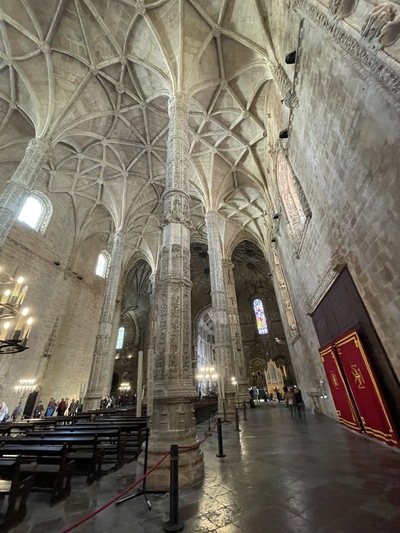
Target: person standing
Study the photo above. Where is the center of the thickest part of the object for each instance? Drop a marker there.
(299, 403)
(72, 407)
(61, 407)
(51, 406)
(3, 413)
(37, 413)
(291, 402)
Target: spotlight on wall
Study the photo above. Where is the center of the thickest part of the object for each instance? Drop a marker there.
(273, 239)
(276, 216)
(284, 134)
(290, 58)
(269, 274)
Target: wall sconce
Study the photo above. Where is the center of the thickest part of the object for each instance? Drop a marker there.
(284, 134)
(290, 58)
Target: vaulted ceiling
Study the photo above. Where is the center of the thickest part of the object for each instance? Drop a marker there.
(94, 77)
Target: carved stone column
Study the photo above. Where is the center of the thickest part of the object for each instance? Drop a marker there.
(18, 187)
(99, 384)
(235, 333)
(173, 421)
(225, 360)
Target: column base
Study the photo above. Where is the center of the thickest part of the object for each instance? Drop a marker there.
(172, 422)
(226, 406)
(91, 401)
(191, 469)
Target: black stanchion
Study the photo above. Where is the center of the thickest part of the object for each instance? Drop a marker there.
(237, 419)
(143, 492)
(244, 411)
(174, 524)
(220, 446)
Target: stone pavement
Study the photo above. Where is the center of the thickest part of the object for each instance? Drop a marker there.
(278, 475)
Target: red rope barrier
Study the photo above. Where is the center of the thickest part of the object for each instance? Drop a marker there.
(83, 520)
(156, 465)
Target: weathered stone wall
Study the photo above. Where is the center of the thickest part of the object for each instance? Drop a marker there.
(343, 147)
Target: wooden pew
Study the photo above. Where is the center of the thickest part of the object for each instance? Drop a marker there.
(132, 432)
(16, 489)
(47, 464)
(111, 443)
(82, 448)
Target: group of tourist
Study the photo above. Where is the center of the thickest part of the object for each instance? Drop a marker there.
(294, 401)
(59, 408)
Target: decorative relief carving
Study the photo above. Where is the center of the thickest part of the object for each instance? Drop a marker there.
(291, 99)
(375, 23)
(285, 297)
(391, 31)
(342, 8)
(381, 70)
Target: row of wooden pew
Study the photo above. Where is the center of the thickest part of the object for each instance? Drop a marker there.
(47, 453)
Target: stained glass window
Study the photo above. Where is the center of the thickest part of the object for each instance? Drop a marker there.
(260, 317)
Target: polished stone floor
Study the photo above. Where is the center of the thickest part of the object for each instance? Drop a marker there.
(278, 475)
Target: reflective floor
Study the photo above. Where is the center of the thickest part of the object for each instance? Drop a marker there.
(278, 475)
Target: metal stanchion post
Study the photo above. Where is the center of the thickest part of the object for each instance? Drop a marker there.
(220, 446)
(244, 411)
(174, 524)
(237, 419)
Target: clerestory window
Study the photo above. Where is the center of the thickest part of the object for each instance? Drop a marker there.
(120, 339)
(103, 264)
(36, 211)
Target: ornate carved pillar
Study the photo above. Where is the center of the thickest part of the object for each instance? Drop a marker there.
(18, 187)
(172, 421)
(99, 384)
(235, 332)
(223, 348)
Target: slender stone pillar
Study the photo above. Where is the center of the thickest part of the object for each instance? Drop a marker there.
(226, 367)
(172, 421)
(18, 187)
(235, 333)
(99, 381)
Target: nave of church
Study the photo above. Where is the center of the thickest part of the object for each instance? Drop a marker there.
(278, 475)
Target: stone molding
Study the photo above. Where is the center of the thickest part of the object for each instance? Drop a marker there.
(325, 280)
(359, 50)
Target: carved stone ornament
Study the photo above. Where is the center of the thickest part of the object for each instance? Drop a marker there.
(382, 71)
(373, 27)
(391, 31)
(291, 101)
(342, 8)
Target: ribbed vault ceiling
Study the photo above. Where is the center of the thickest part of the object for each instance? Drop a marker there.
(94, 77)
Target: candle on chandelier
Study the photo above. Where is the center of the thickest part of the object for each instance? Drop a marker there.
(16, 291)
(4, 330)
(26, 330)
(19, 326)
(5, 297)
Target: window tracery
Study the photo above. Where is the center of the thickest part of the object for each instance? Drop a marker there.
(120, 338)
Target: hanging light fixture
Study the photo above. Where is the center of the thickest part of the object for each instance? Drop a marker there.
(15, 322)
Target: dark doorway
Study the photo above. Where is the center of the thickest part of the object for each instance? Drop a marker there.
(341, 310)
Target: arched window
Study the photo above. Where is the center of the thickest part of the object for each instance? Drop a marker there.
(103, 264)
(120, 339)
(36, 211)
(260, 317)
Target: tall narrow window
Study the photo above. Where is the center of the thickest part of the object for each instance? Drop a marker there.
(120, 340)
(103, 264)
(36, 211)
(260, 317)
